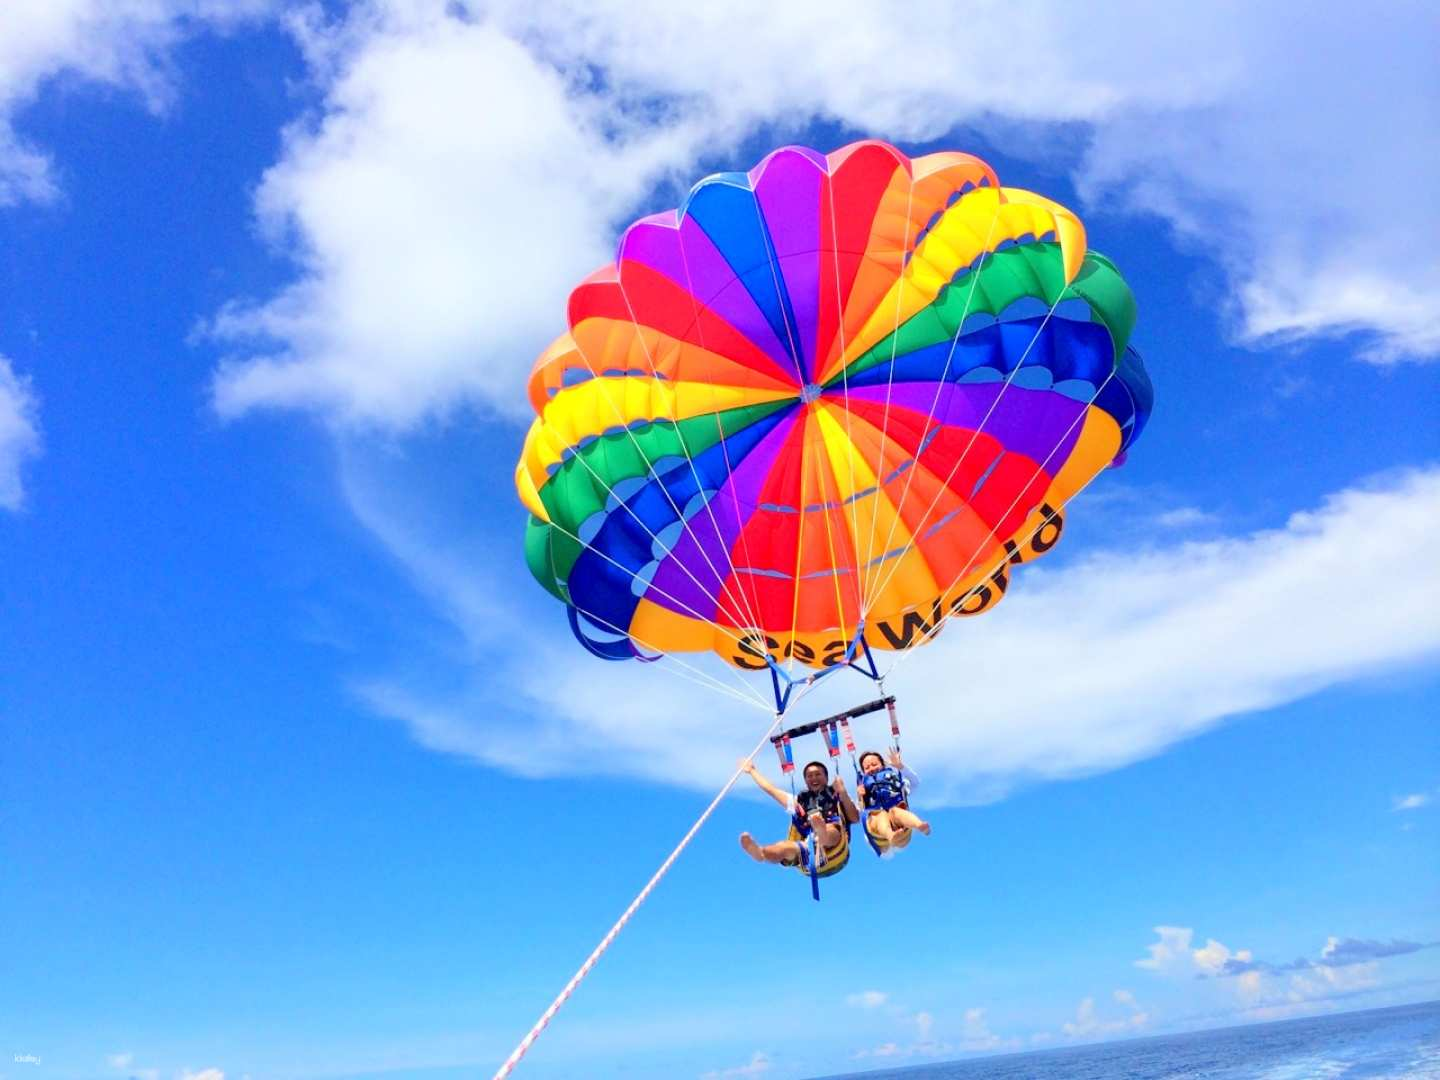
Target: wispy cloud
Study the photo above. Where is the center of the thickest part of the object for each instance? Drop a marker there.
(758, 1065)
(867, 999)
(124, 1062)
(1410, 802)
(1089, 1024)
(915, 1036)
(113, 43)
(976, 1036)
(1338, 952)
(1135, 650)
(436, 250)
(1185, 517)
(19, 433)
(1173, 953)
(1341, 951)
(1267, 990)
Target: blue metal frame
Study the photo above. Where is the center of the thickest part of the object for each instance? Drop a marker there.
(859, 644)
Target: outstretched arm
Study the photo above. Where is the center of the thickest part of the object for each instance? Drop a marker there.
(911, 780)
(766, 786)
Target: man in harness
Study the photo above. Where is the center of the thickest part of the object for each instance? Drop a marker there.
(823, 810)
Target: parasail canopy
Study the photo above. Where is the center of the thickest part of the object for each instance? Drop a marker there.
(823, 405)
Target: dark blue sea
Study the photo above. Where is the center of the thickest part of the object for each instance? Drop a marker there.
(1402, 1042)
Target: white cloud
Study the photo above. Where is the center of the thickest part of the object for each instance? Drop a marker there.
(202, 1074)
(1185, 517)
(1343, 952)
(120, 1061)
(436, 241)
(1138, 649)
(1171, 951)
(976, 1036)
(1410, 802)
(1318, 988)
(758, 1064)
(1211, 960)
(1171, 954)
(1258, 989)
(867, 999)
(1088, 1024)
(1141, 649)
(19, 433)
(441, 208)
(1254, 175)
(114, 43)
(1323, 981)
(884, 1050)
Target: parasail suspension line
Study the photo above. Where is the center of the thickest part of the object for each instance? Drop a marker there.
(983, 582)
(549, 1014)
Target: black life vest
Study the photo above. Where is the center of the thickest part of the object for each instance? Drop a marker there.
(810, 802)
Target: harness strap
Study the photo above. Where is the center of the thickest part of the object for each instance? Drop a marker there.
(787, 761)
(832, 744)
(808, 853)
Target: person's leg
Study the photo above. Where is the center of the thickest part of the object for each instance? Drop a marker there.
(904, 819)
(782, 851)
(899, 838)
(827, 833)
(878, 822)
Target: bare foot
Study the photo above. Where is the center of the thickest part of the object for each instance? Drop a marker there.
(751, 847)
(923, 828)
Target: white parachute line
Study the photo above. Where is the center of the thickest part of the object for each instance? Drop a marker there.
(850, 450)
(649, 585)
(720, 580)
(750, 695)
(940, 387)
(799, 548)
(579, 454)
(549, 1014)
(889, 387)
(820, 467)
(570, 599)
(723, 582)
(989, 576)
(798, 361)
(691, 673)
(752, 602)
(979, 429)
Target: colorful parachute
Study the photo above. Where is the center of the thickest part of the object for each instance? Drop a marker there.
(829, 401)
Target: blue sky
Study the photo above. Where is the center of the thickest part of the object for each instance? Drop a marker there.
(304, 777)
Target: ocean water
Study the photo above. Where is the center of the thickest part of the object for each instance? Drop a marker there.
(1402, 1043)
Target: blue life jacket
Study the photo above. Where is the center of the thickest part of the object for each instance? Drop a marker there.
(884, 789)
